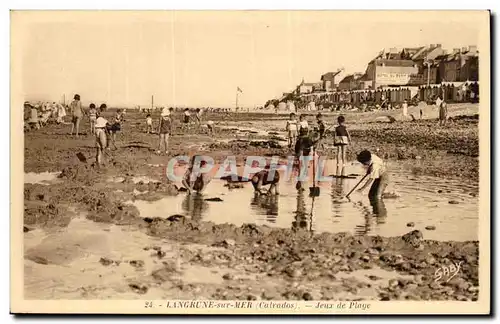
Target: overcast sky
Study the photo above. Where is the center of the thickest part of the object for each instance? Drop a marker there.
(199, 58)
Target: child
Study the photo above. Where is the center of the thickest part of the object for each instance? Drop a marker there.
(303, 126)
(443, 112)
(76, 109)
(197, 116)
(149, 123)
(211, 127)
(100, 130)
(377, 170)
(341, 139)
(164, 129)
(187, 118)
(262, 178)
(116, 127)
(292, 129)
(195, 181)
(92, 117)
(321, 129)
(33, 121)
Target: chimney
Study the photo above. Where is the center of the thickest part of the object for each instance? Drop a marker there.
(472, 48)
(456, 51)
(464, 49)
(438, 45)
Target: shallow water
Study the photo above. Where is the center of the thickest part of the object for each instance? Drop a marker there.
(422, 200)
(65, 264)
(45, 178)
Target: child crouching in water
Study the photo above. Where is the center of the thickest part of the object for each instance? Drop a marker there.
(194, 180)
(378, 175)
(266, 177)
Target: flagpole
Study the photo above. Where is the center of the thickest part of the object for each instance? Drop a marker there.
(236, 98)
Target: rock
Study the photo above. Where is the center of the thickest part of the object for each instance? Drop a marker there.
(25, 229)
(228, 276)
(413, 238)
(251, 297)
(374, 278)
(106, 261)
(161, 275)
(293, 273)
(176, 218)
(38, 259)
(393, 283)
(365, 258)
(430, 260)
(138, 288)
(270, 295)
(435, 285)
(160, 254)
(418, 157)
(136, 263)
(213, 199)
(307, 296)
(229, 242)
(430, 228)
(473, 289)
(410, 224)
(453, 202)
(373, 251)
(440, 191)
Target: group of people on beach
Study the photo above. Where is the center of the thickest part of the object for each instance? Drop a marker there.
(304, 140)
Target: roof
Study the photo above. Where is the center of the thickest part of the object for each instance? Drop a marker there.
(329, 75)
(406, 63)
(353, 77)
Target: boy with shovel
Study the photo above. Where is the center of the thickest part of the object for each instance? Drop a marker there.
(377, 172)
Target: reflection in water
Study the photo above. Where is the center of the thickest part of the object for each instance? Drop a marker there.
(338, 191)
(300, 214)
(376, 214)
(266, 203)
(194, 206)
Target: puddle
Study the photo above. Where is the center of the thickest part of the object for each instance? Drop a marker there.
(45, 178)
(64, 264)
(135, 179)
(419, 202)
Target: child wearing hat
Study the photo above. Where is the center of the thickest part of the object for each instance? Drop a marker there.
(164, 129)
(100, 129)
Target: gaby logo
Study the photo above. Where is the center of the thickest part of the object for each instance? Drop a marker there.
(293, 168)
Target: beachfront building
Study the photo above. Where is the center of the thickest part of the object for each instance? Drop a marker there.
(328, 81)
(355, 81)
(427, 62)
(459, 66)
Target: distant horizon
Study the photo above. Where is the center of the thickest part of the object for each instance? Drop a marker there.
(199, 59)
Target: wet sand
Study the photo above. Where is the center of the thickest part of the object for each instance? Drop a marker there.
(89, 233)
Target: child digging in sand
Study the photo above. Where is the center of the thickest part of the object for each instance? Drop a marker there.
(378, 175)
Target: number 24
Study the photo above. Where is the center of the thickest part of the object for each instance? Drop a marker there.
(148, 304)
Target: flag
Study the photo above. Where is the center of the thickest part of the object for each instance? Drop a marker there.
(239, 90)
